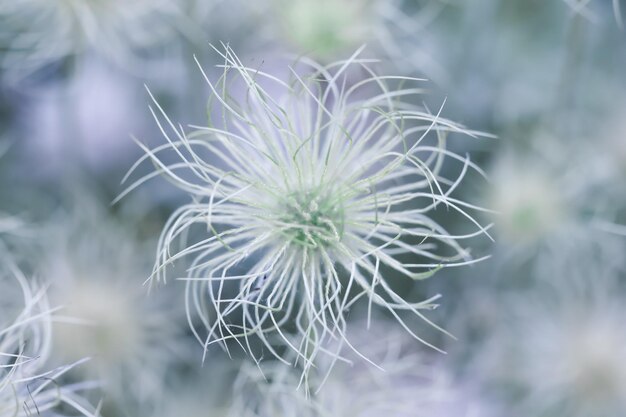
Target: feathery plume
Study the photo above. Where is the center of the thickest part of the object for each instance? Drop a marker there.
(307, 201)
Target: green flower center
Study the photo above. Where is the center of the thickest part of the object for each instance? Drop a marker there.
(313, 220)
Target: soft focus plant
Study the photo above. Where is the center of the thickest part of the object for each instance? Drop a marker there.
(584, 8)
(318, 209)
(555, 209)
(405, 382)
(330, 29)
(26, 388)
(559, 350)
(37, 33)
(97, 268)
(307, 201)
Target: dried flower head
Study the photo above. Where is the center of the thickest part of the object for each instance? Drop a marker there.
(526, 196)
(404, 383)
(130, 336)
(306, 201)
(560, 352)
(329, 29)
(324, 27)
(26, 389)
(36, 33)
(557, 208)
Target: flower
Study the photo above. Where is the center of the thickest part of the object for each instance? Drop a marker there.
(405, 382)
(37, 33)
(526, 196)
(328, 29)
(325, 27)
(560, 351)
(557, 210)
(25, 388)
(305, 202)
(97, 269)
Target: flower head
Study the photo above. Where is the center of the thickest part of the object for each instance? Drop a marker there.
(305, 202)
(528, 200)
(405, 382)
(36, 33)
(98, 269)
(25, 387)
(325, 27)
(560, 352)
(556, 208)
(329, 29)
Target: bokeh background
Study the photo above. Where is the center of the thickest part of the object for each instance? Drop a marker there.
(539, 328)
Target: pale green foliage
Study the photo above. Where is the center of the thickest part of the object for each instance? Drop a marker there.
(584, 8)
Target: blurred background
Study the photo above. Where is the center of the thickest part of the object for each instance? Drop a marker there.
(540, 327)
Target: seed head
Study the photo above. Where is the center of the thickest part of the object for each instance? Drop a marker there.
(37, 33)
(404, 383)
(560, 352)
(26, 388)
(131, 337)
(307, 194)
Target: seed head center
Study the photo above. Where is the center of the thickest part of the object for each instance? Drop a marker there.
(313, 219)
